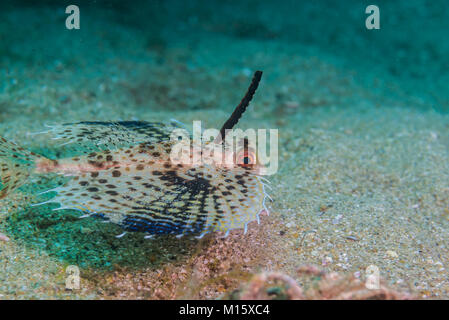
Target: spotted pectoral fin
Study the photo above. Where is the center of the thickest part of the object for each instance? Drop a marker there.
(166, 201)
(102, 135)
(238, 199)
(133, 199)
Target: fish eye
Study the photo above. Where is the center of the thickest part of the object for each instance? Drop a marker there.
(246, 158)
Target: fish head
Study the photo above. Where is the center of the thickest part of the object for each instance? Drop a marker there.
(242, 155)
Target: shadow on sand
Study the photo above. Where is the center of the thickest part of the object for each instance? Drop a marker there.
(91, 243)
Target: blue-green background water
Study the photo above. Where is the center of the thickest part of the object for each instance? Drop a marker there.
(410, 49)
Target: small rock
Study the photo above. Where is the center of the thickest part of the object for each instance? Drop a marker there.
(337, 219)
(86, 230)
(326, 261)
(3, 237)
(433, 135)
(291, 104)
(392, 254)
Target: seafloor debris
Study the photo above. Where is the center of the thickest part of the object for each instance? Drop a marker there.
(257, 287)
(332, 285)
(3, 237)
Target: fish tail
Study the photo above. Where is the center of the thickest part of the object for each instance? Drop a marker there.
(16, 166)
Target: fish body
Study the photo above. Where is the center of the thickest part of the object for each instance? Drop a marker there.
(133, 173)
(131, 180)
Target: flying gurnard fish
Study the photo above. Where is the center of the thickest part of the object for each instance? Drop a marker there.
(131, 181)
